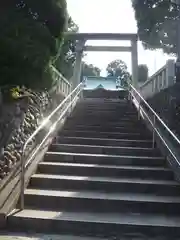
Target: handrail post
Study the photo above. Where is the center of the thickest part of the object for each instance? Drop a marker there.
(139, 110)
(71, 107)
(153, 137)
(82, 87)
(130, 97)
(81, 94)
(22, 182)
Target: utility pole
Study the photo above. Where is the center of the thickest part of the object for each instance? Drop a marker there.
(177, 65)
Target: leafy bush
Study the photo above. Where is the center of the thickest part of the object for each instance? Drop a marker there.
(30, 37)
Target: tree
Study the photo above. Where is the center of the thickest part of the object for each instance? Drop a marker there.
(118, 68)
(142, 73)
(30, 38)
(66, 59)
(90, 70)
(157, 23)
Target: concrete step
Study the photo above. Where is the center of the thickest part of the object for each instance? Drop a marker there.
(95, 103)
(117, 135)
(104, 109)
(99, 118)
(126, 125)
(113, 110)
(104, 159)
(108, 129)
(108, 112)
(105, 104)
(107, 107)
(87, 170)
(113, 150)
(96, 121)
(105, 184)
(101, 202)
(120, 124)
(104, 112)
(99, 224)
(33, 236)
(104, 141)
(105, 123)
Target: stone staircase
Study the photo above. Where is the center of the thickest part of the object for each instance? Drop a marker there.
(101, 178)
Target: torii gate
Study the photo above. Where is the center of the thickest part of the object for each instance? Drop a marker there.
(80, 48)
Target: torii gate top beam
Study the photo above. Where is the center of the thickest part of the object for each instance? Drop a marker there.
(102, 36)
(81, 39)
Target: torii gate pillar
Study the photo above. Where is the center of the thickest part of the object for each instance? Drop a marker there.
(78, 63)
(134, 59)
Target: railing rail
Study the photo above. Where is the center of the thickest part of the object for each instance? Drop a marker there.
(64, 86)
(64, 107)
(153, 120)
(156, 74)
(163, 78)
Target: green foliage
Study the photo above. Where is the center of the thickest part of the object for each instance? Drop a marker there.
(90, 70)
(30, 37)
(67, 56)
(142, 73)
(157, 23)
(118, 68)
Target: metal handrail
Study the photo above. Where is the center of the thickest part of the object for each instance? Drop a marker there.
(43, 124)
(155, 114)
(159, 134)
(143, 113)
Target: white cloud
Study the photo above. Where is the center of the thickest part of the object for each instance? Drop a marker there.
(115, 16)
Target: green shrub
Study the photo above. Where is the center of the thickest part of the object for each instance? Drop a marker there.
(31, 33)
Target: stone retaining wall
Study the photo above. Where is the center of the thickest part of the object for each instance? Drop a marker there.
(167, 104)
(18, 120)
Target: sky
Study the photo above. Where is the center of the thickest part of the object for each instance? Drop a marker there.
(111, 16)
